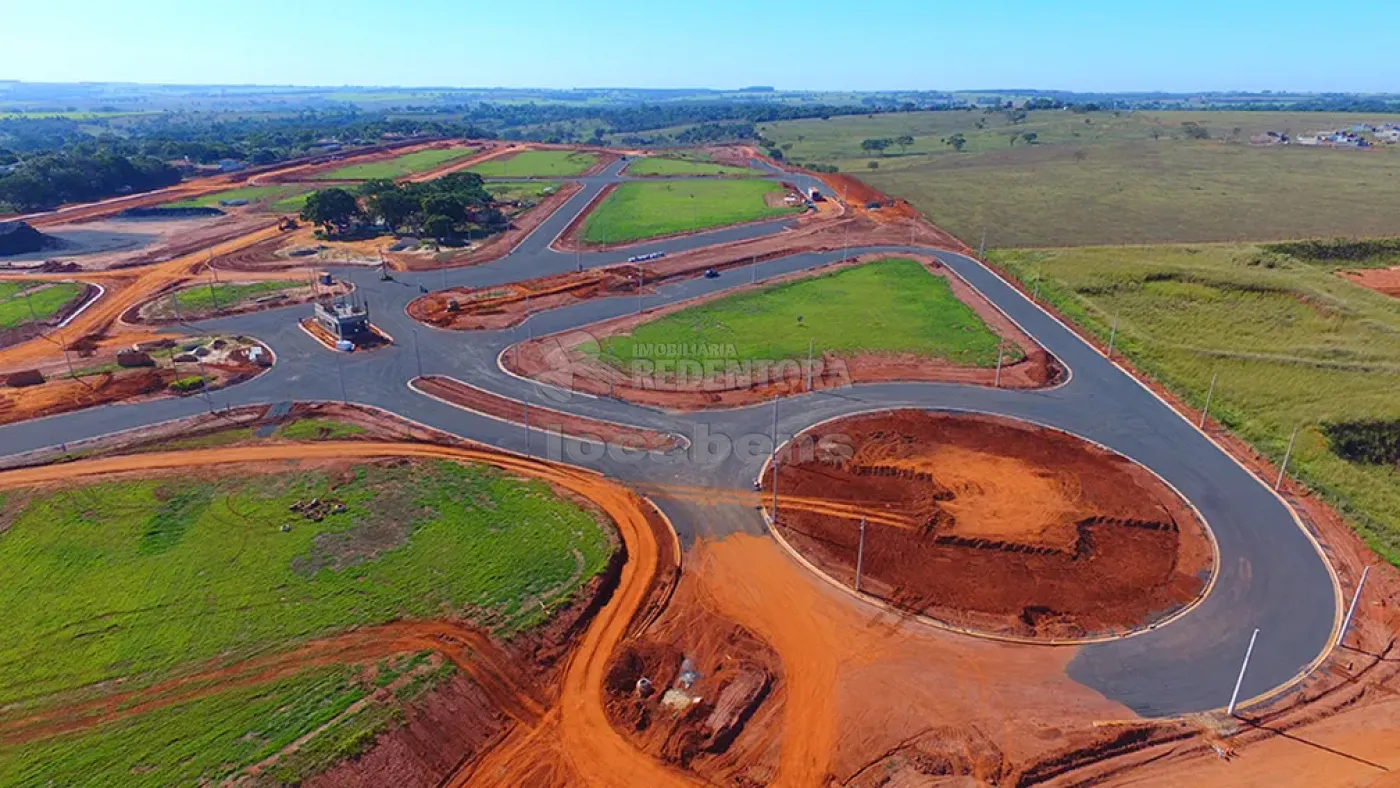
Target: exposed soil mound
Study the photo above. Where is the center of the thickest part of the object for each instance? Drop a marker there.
(20, 238)
(993, 525)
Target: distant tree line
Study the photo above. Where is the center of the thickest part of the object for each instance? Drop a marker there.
(50, 180)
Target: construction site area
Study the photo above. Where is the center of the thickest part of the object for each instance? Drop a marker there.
(808, 497)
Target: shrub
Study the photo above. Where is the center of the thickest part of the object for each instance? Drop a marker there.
(187, 385)
(1370, 442)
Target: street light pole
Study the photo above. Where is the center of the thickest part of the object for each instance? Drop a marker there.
(1283, 469)
(416, 354)
(1001, 354)
(776, 460)
(860, 554)
(1209, 394)
(1346, 622)
(1234, 696)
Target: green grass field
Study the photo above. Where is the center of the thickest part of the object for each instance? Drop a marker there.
(1114, 178)
(531, 191)
(647, 209)
(143, 580)
(1293, 345)
(250, 193)
(291, 204)
(888, 306)
(663, 165)
(45, 303)
(407, 164)
(225, 295)
(537, 164)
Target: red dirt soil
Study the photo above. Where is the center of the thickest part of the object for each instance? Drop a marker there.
(1382, 280)
(471, 398)
(558, 360)
(1011, 529)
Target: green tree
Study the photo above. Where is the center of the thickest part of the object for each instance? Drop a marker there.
(958, 141)
(1030, 137)
(874, 145)
(393, 207)
(874, 165)
(439, 226)
(333, 209)
(904, 141)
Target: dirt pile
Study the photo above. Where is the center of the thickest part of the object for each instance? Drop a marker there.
(20, 238)
(686, 691)
(1013, 529)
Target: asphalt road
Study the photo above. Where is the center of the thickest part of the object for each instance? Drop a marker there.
(1270, 575)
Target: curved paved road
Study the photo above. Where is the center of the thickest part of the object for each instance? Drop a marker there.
(1271, 575)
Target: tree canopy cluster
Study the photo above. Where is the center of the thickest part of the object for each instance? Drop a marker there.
(445, 208)
(47, 181)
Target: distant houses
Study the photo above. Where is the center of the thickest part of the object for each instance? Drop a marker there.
(1360, 135)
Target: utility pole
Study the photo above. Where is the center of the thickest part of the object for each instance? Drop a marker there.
(416, 354)
(775, 461)
(1346, 622)
(860, 554)
(1283, 469)
(1112, 336)
(1001, 354)
(1035, 296)
(1235, 696)
(982, 247)
(641, 279)
(1211, 393)
(214, 295)
(204, 384)
(340, 371)
(527, 423)
(810, 343)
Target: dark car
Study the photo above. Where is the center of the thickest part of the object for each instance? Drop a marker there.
(711, 273)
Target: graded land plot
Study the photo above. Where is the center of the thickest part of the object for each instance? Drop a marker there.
(649, 209)
(140, 582)
(208, 299)
(397, 167)
(25, 302)
(250, 194)
(889, 306)
(1113, 178)
(291, 204)
(536, 164)
(1294, 345)
(994, 524)
(668, 166)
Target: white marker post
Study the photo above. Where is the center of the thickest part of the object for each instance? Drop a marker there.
(1346, 622)
(1283, 469)
(860, 554)
(1235, 696)
(1209, 394)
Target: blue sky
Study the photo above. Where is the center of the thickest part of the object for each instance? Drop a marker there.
(1177, 45)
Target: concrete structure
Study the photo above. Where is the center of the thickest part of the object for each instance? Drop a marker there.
(344, 318)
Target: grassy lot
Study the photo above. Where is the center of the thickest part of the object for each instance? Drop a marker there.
(1293, 344)
(663, 165)
(250, 193)
(135, 580)
(407, 164)
(291, 204)
(1114, 178)
(647, 209)
(208, 740)
(225, 295)
(890, 306)
(537, 164)
(529, 191)
(46, 302)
